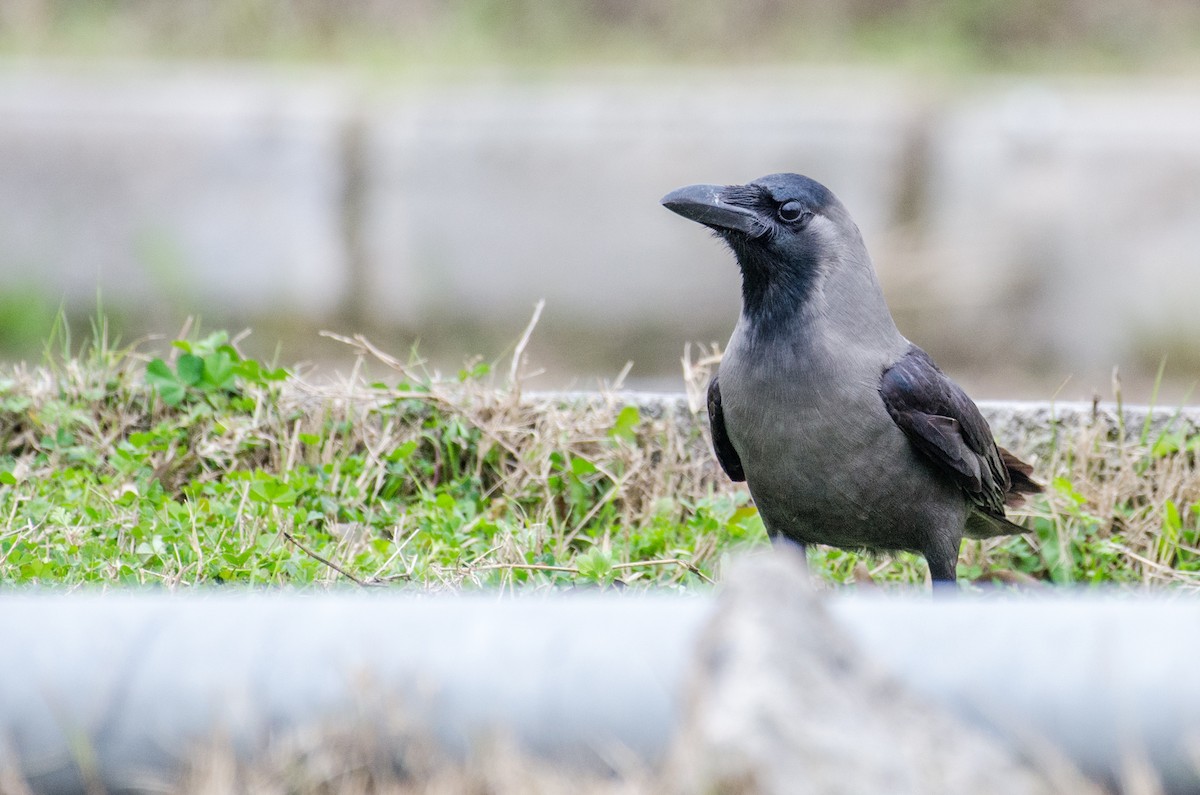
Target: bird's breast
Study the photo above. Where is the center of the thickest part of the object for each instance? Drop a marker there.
(823, 458)
(788, 407)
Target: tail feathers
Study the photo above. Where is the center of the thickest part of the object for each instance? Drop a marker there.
(1020, 481)
(985, 524)
(982, 524)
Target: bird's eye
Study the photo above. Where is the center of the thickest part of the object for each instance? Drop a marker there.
(790, 212)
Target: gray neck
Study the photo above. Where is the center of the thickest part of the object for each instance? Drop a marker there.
(843, 311)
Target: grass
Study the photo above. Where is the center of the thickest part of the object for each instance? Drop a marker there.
(203, 466)
(196, 465)
(945, 36)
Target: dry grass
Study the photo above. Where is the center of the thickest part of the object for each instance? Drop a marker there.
(641, 472)
(471, 481)
(1122, 502)
(441, 482)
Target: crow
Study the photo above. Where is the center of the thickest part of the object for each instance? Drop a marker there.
(846, 433)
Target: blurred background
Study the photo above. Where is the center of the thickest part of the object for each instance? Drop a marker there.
(1026, 174)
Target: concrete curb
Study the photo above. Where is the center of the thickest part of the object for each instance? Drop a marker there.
(1021, 424)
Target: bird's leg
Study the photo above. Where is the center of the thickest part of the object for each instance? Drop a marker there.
(942, 557)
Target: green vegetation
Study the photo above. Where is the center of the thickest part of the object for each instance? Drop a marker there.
(946, 35)
(208, 467)
(201, 465)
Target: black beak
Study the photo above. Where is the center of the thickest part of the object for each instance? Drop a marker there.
(705, 204)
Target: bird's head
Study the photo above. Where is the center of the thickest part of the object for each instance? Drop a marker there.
(786, 230)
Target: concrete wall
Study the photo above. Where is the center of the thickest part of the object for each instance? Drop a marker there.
(215, 190)
(484, 197)
(1085, 201)
(1048, 223)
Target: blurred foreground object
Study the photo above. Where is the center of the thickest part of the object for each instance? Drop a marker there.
(767, 686)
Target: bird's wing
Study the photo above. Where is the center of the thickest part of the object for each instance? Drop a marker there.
(945, 424)
(726, 455)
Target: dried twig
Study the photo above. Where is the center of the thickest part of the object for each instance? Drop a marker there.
(633, 564)
(666, 562)
(292, 539)
(519, 351)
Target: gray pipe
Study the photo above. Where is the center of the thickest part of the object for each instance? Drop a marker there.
(136, 677)
(1106, 678)
(140, 676)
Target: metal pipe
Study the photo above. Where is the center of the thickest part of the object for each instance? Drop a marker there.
(1108, 679)
(136, 677)
(139, 677)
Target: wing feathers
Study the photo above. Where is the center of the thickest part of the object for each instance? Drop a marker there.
(726, 455)
(944, 424)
